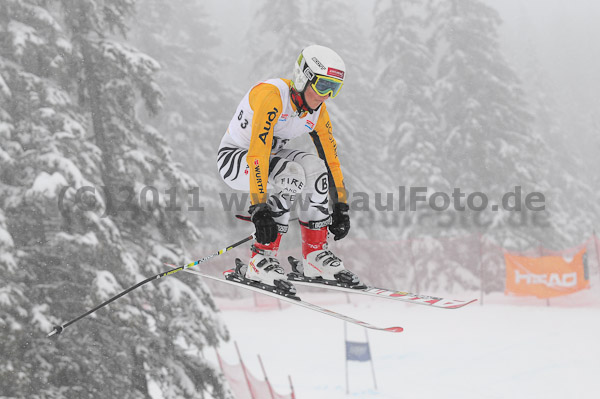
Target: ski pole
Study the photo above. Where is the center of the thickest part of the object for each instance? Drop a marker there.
(59, 328)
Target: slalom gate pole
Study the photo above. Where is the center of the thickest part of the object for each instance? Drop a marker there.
(59, 328)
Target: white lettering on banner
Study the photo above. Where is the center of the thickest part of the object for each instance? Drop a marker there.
(566, 280)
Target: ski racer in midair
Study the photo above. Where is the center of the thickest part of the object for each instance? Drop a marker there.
(252, 157)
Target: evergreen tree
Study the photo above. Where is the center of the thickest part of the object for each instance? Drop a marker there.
(198, 103)
(488, 144)
(70, 128)
(570, 164)
(569, 186)
(411, 150)
(412, 141)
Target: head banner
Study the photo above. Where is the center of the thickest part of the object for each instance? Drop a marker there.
(546, 276)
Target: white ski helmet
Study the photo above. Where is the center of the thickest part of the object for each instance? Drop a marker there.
(317, 62)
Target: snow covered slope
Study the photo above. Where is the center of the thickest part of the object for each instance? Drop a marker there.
(490, 351)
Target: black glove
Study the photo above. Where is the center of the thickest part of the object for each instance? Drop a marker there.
(266, 228)
(340, 221)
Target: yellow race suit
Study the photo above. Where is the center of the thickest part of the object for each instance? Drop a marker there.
(265, 120)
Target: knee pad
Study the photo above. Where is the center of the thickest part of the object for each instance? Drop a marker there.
(288, 177)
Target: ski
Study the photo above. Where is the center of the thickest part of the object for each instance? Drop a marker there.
(233, 278)
(299, 279)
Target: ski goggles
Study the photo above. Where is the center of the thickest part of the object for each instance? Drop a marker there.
(325, 85)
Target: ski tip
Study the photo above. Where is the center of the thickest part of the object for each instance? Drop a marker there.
(394, 329)
(460, 305)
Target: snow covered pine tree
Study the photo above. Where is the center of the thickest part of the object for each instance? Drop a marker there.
(68, 95)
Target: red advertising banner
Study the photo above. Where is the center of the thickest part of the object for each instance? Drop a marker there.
(546, 276)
